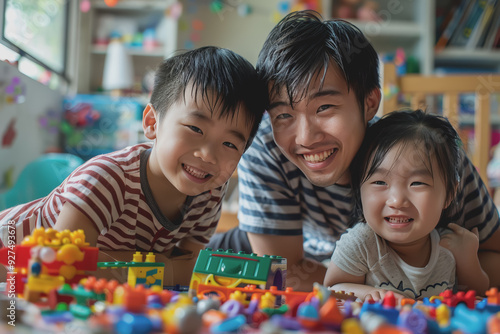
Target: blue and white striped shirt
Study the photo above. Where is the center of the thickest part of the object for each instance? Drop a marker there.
(276, 198)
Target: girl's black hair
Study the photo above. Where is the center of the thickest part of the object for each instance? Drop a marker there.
(302, 46)
(431, 134)
(212, 70)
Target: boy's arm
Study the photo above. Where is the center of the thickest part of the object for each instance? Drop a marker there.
(184, 268)
(70, 218)
(301, 272)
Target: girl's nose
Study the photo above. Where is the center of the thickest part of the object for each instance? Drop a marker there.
(397, 199)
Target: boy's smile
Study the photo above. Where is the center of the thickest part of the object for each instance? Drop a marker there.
(195, 149)
(195, 174)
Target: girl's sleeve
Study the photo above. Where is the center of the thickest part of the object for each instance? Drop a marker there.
(351, 252)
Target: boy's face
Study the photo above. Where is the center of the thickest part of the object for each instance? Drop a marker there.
(322, 132)
(194, 149)
(403, 200)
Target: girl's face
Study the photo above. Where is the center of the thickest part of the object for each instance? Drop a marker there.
(194, 149)
(403, 200)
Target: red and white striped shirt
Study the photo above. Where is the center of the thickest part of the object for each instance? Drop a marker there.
(113, 192)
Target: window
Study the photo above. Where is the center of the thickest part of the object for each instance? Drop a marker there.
(37, 31)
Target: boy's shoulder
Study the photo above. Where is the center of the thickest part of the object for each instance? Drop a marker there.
(125, 159)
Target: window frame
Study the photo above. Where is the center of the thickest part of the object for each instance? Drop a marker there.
(23, 53)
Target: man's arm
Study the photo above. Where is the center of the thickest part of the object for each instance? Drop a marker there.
(477, 209)
(489, 257)
(301, 272)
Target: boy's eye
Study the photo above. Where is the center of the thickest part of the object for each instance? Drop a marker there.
(195, 129)
(231, 145)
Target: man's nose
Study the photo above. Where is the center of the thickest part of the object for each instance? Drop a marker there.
(308, 131)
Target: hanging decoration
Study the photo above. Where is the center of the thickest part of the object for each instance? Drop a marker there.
(15, 92)
(111, 3)
(221, 7)
(85, 6)
(10, 134)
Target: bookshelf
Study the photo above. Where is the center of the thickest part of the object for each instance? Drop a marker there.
(416, 27)
(127, 17)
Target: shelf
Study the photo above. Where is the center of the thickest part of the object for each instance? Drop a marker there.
(145, 5)
(383, 29)
(468, 120)
(133, 51)
(467, 57)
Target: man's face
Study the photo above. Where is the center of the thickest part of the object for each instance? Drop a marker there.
(323, 131)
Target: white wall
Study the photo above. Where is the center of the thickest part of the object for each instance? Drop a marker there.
(242, 34)
(22, 110)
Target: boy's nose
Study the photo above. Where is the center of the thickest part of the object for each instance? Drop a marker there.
(206, 153)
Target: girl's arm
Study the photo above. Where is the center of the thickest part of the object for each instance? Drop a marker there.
(464, 245)
(339, 280)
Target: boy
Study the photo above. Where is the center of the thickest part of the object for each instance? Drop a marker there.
(294, 182)
(204, 111)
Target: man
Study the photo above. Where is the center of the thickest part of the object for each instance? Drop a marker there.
(294, 181)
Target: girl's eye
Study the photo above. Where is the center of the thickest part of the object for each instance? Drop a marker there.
(418, 183)
(195, 129)
(228, 144)
(380, 183)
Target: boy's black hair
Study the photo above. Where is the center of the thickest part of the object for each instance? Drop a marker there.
(416, 130)
(209, 70)
(302, 46)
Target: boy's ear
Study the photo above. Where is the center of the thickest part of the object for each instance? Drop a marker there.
(149, 121)
(372, 102)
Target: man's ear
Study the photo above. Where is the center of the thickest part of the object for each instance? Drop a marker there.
(149, 121)
(372, 102)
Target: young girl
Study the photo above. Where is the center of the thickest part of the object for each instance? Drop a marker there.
(404, 180)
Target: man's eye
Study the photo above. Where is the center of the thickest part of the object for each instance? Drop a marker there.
(283, 116)
(195, 129)
(231, 145)
(325, 107)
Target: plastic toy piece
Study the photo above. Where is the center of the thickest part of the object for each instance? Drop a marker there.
(46, 259)
(452, 300)
(148, 273)
(292, 298)
(330, 315)
(228, 269)
(82, 297)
